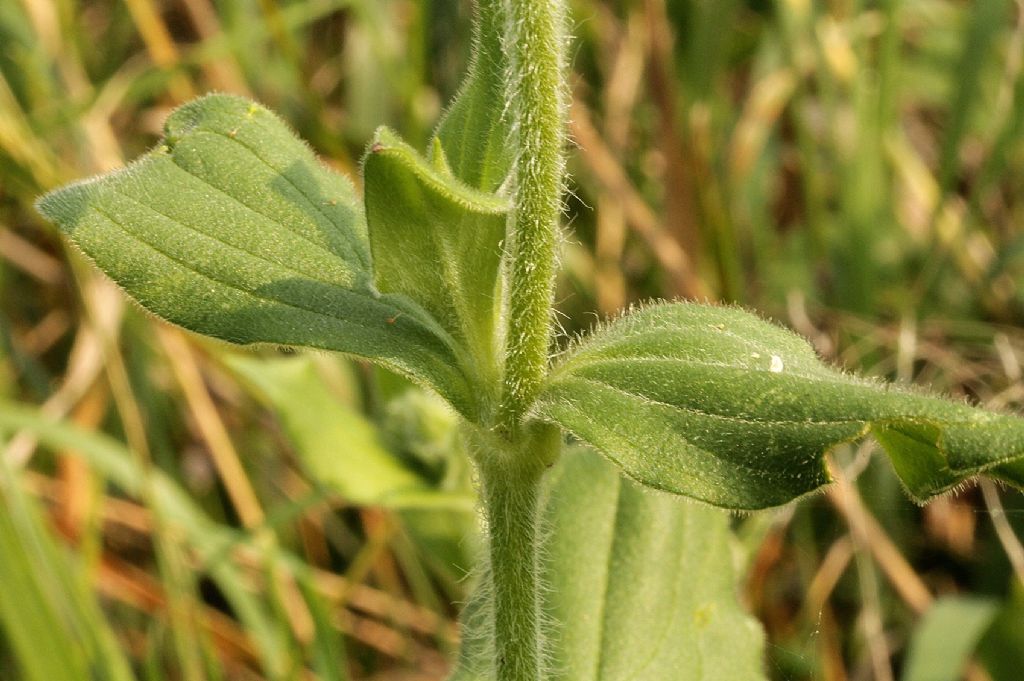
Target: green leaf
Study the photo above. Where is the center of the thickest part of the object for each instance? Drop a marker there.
(438, 242)
(231, 228)
(643, 583)
(947, 636)
(716, 404)
(330, 660)
(474, 132)
(344, 451)
(338, 446)
(1000, 648)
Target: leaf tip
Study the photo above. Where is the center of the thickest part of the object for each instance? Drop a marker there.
(64, 206)
(193, 114)
(438, 159)
(384, 139)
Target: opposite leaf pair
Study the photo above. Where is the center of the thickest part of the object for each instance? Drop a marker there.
(231, 228)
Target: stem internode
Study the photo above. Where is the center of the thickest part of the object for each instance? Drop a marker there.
(535, 45)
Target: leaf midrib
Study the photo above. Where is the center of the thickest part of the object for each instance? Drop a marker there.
(588, 362)
(713, 415)
(830, 378)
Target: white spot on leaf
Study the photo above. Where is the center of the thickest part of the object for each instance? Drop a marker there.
(776, 366)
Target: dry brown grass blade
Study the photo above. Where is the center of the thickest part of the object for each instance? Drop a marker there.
(114, 512)
(211, 427)
(19, 141)
(160, 45)
(341, 591)
(869, 538)
(225, 73)
(620, 97)
(816, 607)
(78, 499)
(680, 206)
(229, 467)
(135, 587)
(388, 641)
(609, 173)
(85, 364)
(866, 529)
(30, 259)
(1011, 544)
(41, 338)
(336, 589)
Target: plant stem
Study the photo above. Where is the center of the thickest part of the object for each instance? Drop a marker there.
(511, 470)
(510, 476)
(535, 45)
(511, 502)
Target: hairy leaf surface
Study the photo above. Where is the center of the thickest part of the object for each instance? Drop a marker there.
(473, 134)
(641, 583)
(231, 228)
(718, 405)
(438, 242)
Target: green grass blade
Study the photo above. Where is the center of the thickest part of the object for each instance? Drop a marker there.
(211, 541)
(33, 629)
(338, 446)
(51, 619)
(986, 19)
(328, 648)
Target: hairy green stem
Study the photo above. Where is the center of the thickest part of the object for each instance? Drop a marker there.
(511, 470)
(510, 481)
(511, 506)
(535, 46)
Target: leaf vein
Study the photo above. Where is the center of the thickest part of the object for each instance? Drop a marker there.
(357, 246)
(248, 291)
(597, 361)
(709, 414)
(212, 237)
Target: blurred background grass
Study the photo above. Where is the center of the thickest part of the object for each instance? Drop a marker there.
(173, 508)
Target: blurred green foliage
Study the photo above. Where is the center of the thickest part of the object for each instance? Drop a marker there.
(855, 169)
